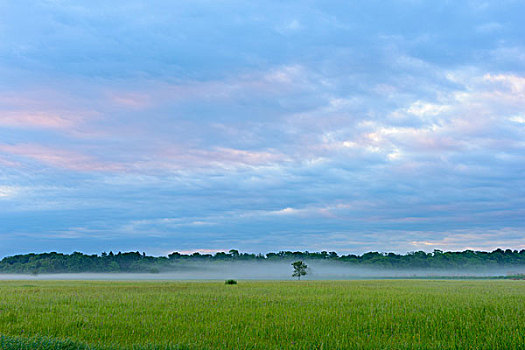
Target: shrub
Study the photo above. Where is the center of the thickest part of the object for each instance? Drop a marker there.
(230, 282)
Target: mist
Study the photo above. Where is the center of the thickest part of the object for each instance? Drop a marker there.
(317, 270)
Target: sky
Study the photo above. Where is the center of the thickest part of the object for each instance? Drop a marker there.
(196, 125)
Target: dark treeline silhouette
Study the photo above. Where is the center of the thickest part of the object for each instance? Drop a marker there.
(137, 262)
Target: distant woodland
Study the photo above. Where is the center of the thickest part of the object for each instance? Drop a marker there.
(140, 262)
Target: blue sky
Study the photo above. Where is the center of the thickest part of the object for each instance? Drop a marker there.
(261, 125)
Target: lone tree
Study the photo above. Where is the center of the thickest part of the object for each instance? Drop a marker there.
(299, 269)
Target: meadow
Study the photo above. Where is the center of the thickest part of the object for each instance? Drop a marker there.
(364, 314)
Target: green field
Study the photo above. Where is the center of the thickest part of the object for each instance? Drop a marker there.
(370, 314)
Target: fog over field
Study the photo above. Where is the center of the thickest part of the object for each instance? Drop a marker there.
(317, 270)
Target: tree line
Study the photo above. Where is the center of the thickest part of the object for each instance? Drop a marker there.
(140, 262)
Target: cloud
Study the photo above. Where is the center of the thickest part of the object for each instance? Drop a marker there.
(47, 110)
(517, 119)
(35, 120)
(8, 191)
(490, 27)
(485, 240)
(58, 157)
(262, 125)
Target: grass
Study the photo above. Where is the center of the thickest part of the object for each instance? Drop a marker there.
(373, 314)
(21, 343)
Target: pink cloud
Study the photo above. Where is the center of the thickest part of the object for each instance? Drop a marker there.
(277, 81)
(178, 158)
(46, 120)
(472, 239)
(182, 159)
(49, 109)
(130, 99)
(59, 158)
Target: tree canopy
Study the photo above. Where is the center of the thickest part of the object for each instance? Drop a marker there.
(140, 262)
(299, 269)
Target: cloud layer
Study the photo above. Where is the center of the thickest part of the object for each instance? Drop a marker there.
(261, 126)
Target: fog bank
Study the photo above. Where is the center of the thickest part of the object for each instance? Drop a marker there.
(317, 270)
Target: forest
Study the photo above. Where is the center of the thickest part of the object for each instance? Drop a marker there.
(140, 262)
